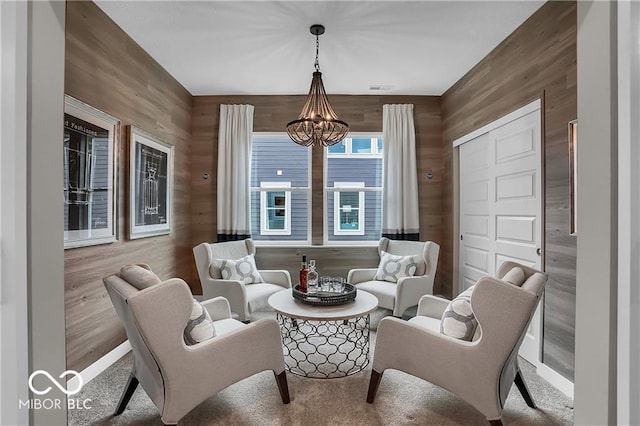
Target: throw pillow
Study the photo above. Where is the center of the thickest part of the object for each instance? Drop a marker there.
(458, 319)
(200, 326)
(393, 267)
(515, 276)
(243, 270)
(138, 276)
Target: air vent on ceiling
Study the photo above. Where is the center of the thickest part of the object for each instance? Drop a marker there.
(379, 88)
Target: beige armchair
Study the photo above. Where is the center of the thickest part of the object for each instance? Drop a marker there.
(480, 371)
(178, 377)
(406, 292)
(243, 298)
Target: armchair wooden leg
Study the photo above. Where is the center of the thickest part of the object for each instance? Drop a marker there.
(283, 387)
(496, 422)
(524, 390)
(374, 382)
(129, 389)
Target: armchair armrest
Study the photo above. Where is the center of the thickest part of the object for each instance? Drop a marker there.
(279, 277)
(361, 275)
(432, 306)
(232, 290)
(232, 361)
(409, 290)
(218, 308)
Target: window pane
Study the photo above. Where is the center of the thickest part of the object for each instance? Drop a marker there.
(276, 199)
(276, 219)
(349, 200)
(339, 148)
(380, 145)
(361, 146)
(354, 169)
(277, 159)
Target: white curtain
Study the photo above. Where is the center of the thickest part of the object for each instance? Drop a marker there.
(234, 172)
(400, 218)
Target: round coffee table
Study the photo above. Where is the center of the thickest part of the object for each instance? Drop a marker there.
(324, 341)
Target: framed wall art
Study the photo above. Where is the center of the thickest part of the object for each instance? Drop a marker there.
(150, 185)
(89, 173)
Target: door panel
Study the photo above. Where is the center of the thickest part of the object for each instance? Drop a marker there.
(501, 206)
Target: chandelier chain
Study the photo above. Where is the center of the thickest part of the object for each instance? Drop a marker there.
(317, 63)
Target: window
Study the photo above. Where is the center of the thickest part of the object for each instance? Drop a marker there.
(275, 209)
(354, 216)
(349, 208)
(280, 215)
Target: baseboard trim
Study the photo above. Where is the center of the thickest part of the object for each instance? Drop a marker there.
(556, 380)
(100, 365)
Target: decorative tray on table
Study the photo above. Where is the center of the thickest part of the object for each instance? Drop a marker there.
(325, 298)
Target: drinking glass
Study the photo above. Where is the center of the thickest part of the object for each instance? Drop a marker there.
(337, 284)
(325, 283)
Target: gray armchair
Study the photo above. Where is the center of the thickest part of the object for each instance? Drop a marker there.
(243, 298)
(178, 377)
(480, 371)
(408, 290)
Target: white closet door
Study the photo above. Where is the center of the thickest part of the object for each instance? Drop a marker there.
(501, 206)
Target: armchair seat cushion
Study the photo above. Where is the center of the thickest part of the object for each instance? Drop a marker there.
(257, 295)
(429, 323)
(385, 291)
(226, 325)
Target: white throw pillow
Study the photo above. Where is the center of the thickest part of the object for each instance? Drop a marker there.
(393, 267)
(458, 319)
(243, 270)
(200, 326)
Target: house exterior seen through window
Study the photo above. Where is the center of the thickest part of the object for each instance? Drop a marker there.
(281, 190)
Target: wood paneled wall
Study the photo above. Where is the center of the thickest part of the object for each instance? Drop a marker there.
(363, 113)
(108, 70)
(537, 60)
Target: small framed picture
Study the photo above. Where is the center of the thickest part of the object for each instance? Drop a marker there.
(89, 175)
(150, 185)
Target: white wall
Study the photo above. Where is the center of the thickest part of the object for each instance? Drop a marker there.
(595, 362)
(45, 251)
(13, 212)
(628, 356)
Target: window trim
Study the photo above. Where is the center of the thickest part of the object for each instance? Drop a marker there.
(340, 187)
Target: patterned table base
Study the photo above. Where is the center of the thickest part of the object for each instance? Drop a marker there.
(325, 349)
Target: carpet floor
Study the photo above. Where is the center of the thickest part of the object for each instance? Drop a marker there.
(401, 400)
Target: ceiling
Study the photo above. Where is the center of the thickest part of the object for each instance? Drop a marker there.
(265, 47)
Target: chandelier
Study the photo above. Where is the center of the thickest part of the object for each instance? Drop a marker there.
(317, 124)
